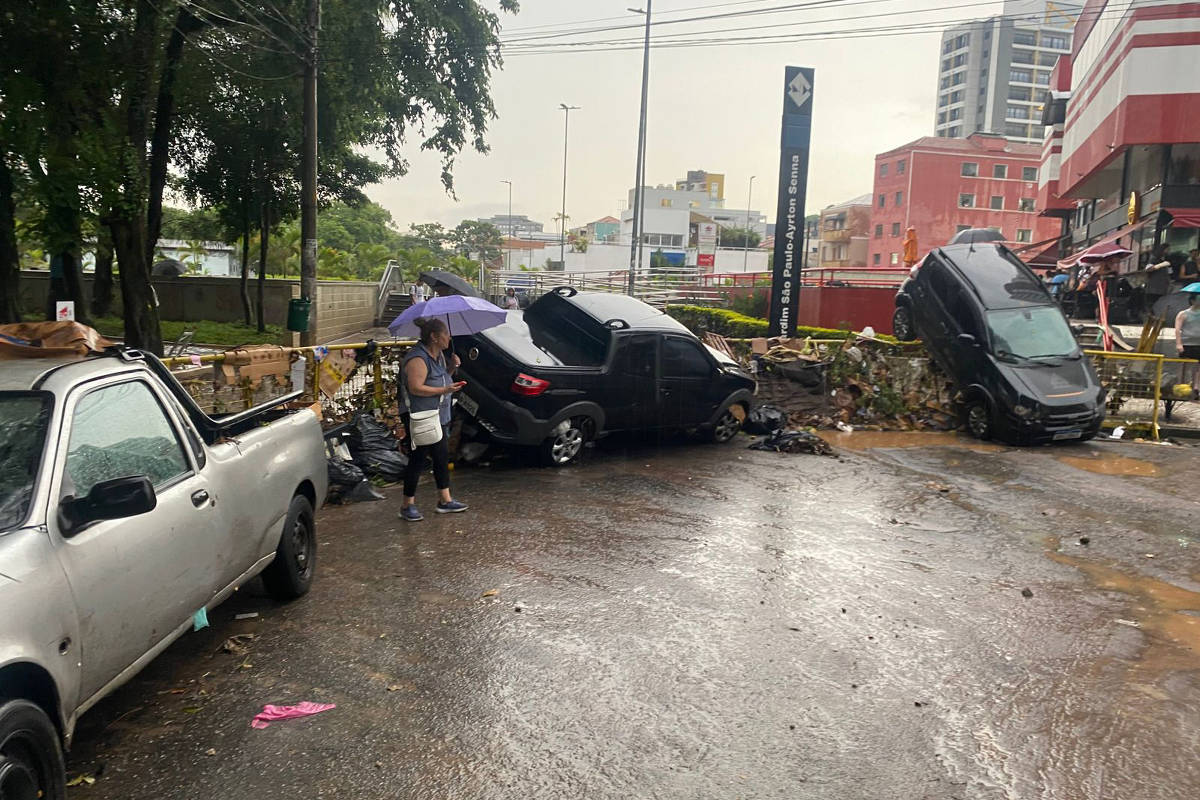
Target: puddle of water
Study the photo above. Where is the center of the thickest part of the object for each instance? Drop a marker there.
(1167, 613)
(1108, 464)
(870, 440)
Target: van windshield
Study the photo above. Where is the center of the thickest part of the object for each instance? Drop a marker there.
(24, 417)
(1034, 332)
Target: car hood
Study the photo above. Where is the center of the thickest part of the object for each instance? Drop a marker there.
(1068, 381)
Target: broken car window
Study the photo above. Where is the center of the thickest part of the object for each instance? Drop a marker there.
(24, 417)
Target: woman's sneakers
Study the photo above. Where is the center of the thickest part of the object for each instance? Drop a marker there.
(411, 514)
(453, 507)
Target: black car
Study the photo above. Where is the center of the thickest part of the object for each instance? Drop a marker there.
(990, 324)
(575, 366)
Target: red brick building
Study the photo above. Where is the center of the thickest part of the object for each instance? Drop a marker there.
(941, 186)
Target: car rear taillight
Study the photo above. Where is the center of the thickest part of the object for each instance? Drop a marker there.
(528, 386)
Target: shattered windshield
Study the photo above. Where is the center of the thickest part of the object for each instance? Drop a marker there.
(24, 417)
(1036, 332)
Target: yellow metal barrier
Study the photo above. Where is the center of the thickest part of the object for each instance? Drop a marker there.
(1135, 377)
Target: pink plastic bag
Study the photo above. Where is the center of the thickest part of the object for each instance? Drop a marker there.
(271, 714)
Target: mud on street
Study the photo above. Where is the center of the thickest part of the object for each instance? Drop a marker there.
(917, 619)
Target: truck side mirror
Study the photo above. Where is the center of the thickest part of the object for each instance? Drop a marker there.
(967, 338)
(113, 499)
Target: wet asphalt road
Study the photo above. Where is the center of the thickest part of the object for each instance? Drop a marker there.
(711, 622)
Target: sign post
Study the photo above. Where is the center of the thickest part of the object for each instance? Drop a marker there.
(789, 212)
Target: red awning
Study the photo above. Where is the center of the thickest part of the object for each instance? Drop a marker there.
(1184, 217)
(1104, 244)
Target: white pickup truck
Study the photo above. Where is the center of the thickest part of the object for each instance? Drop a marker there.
(124, 510)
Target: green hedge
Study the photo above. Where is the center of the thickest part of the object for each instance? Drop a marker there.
(701, 319)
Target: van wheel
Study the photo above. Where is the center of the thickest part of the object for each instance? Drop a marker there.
(979, 420)
(31, 757)
(725, 428)
(902, 324)
(290, 575)
(567, 443)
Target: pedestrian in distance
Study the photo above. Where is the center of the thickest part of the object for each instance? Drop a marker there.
(511, 303)
(427, 387)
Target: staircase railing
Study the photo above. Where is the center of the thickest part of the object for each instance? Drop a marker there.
(385, 286)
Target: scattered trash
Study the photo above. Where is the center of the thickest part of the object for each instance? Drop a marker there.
(1149, 555)
(375, 450)
(269, 714)
(236, 645)
(1131, 623)
(764, 419)
(1026, 592)
(1118, 432)
(247, 615)
(490, 593)
(517, 609)
(1084, 540)
(200, 619)
(212, 751)
(918, 703)
(793, 442)
(191, 710)
(843, 427)
(81, 780)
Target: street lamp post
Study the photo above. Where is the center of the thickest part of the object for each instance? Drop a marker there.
(746, 241)
(508, 250)
(562, 240)
(639, 211)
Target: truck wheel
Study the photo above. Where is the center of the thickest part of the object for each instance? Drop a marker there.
(726, 427)
(567, 443)
(290, 575)
(31, 757)
(902, 324)
(979, 420)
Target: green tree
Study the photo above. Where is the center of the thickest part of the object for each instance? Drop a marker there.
(200, 224)
(740, 238)
(474, 238)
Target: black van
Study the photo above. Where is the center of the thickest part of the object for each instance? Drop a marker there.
(989, 323)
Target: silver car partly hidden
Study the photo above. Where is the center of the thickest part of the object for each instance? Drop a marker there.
(124, 510)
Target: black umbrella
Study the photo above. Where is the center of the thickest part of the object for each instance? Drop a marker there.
(1170, 305)
(977, 235)
(457, 285)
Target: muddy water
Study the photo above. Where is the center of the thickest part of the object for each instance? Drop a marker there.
(1110, 464)
(875, 440)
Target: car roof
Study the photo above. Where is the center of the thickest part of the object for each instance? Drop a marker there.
(603, 306)
(999, 278)
(23, 374)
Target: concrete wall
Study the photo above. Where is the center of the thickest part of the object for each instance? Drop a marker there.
(343, 308)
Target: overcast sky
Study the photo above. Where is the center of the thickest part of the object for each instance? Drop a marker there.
(711, 108)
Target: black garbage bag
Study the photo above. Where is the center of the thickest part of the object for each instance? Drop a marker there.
(764, 419)
(364, 354)
(375, 450)
(343, 473)
(793, 442)
(362, 491)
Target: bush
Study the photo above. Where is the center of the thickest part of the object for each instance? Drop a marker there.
(701, 319)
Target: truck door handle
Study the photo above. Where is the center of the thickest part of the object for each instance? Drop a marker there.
(199, 498)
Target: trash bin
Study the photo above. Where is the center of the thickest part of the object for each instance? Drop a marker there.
(298, 310)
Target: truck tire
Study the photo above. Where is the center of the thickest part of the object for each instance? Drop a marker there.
(902, 324)
(565, 445)
(290, 575)
(725, 428)
(31, 756)
(979, 420)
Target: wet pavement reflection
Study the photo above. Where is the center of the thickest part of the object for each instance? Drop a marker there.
(922, 617)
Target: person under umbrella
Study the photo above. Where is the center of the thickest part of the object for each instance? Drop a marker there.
(1187, 327)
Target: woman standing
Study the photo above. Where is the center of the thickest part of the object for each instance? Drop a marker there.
(427, 387)
(1187, 328)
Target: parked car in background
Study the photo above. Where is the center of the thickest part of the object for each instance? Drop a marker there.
(124, 510)
(990, 324)
(576, 365)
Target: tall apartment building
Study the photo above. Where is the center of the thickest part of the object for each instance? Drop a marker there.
(995, 72)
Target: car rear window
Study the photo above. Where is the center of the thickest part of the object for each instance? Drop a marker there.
(24, 418)
(568, 332)
(514, 338)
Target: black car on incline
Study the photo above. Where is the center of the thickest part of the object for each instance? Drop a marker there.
(575, 366)
(990, 325)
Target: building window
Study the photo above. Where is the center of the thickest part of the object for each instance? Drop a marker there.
(962, 41)
(945, 82)
(956, 96)
(948, 46)
(1024, 235)
(878, 231)
(882, 200)
(665, 202)
(1041, 77)
(1039, 96)
(1054, 42)
(895, 259)
(955, 113)
(1026, 204)
(1022, 57)
(1017, 112)
(997, 203)
(1029, 173)
(1023, 93)
(1047, 59)
(875, 259)
(1027, 38)
(970, 169)
(945, 64)
(895, 229)
(901, 165)
(943, 100)
(966, 201)
(1000, 171)
(960, 59)
(1014, 130)
(1020, 76)
(883, 170)
(899, 198)
(958, 78)
(954, 132)
(941, 117)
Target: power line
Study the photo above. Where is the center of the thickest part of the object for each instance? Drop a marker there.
(688, 9)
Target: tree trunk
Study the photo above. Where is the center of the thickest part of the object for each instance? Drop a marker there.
(73, 280)
(102, 282)
(137, 293)
(264, 233)
(10, 258)
(245, 289)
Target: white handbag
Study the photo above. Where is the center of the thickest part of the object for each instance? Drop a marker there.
(425, 427)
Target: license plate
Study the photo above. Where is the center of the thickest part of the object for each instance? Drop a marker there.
(1075, 434)
(467, 404)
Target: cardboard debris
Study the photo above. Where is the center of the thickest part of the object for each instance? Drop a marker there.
(49, 340)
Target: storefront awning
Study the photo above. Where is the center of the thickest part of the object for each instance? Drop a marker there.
(1103, 246)
(1184, 217)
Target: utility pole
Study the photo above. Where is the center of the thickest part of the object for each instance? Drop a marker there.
(639, 210)
(508, 250)
(562, 239)
(308, 177)
(746, 241)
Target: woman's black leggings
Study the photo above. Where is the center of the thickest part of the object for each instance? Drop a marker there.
(440, 454)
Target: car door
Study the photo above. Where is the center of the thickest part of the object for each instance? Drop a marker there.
(685, 384)
(631, 401)
(134, 580)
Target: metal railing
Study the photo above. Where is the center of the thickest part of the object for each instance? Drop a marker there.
(385, 286)
(1131, 376)
(657, 286)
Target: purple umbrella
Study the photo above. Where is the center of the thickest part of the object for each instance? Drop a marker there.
(462, 315)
